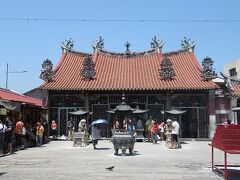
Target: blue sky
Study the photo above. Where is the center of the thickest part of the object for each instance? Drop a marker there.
(25, 44)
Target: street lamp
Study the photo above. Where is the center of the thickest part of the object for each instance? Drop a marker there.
(7, 72)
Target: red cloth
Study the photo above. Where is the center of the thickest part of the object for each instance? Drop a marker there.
(54, 125)
(154, 128)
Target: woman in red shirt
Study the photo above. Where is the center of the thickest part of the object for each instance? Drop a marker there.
(154, 131)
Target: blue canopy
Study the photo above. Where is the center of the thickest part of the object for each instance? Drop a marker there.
(100, 121)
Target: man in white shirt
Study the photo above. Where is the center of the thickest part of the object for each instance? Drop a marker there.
(175, 132)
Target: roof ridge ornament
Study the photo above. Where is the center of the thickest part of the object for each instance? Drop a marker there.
(99, 44)
(186, 45)
(47, 70)
(87, 70)
(127, 45)
(229, 91)
(166, 70)
(207, 72)
(68, 45)
(156, 44)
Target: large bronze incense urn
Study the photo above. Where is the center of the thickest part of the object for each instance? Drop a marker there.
(123, 141)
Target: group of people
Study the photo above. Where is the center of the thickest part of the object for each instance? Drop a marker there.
(168, 131)
(8, 129)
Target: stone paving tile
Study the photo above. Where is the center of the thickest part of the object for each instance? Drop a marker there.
(60, 160)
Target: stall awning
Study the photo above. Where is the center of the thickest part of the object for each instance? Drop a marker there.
(13, 106)
(175, 111)
(79, 112)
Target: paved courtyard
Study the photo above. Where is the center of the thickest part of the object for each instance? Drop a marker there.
(60, 160)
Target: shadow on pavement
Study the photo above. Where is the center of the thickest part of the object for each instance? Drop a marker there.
(2, 173)
(102, 148)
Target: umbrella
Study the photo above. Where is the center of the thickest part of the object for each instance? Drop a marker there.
(100, 121)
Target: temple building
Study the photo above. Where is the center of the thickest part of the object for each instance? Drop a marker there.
(154, 80)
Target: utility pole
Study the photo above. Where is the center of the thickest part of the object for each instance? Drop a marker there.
(7, 77)
(7, 72)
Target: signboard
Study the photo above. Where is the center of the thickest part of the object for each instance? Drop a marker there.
(3, 111)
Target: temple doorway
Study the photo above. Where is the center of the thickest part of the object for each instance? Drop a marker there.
(193, 123)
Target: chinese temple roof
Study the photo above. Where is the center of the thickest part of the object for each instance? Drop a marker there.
(8, 95)
(236, 88)
(134, 71)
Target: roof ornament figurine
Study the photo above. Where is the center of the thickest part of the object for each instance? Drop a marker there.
(68, 45)
(47, 70)
(99, 44)
(208, 73)
(156, 44)
(88, 71)
(166, 70)
(127, 51)
(187, 45)
(229, 91)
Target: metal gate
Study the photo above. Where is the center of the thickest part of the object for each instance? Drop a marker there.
(100, 112)
(156, 111)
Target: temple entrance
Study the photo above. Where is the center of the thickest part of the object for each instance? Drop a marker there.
(100, 112)
(193, 123)
(63, 118)
(155, 110)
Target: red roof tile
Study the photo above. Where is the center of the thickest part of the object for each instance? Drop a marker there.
(236, 89)
(140, 72)
(13, 96)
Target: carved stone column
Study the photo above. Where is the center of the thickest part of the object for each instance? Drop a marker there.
(87, 101)
(211, 112)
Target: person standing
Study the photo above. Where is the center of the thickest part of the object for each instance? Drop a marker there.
(70, 126)
(46, 127)
(175, 132)
(154, 131)
(162, 128)
(2, 131)
(149, 127)
(95, 135)
(39, 134)
(130, 127)
(18, 133)
(54, 129)
(8, 135)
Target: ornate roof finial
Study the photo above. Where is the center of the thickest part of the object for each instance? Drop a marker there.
(208, 73)
(166, 70)
(99, 44)
(156, 44)
(47, 70)
(186, 44)
(88, 70)
(127, 45)
(68, 45)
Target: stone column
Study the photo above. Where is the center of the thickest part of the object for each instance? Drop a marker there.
(233, 115)
(211, 112)
(87, 101)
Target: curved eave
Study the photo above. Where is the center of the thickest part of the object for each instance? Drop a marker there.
(128, 89)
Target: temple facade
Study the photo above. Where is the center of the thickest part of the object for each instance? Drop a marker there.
(154, 80)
